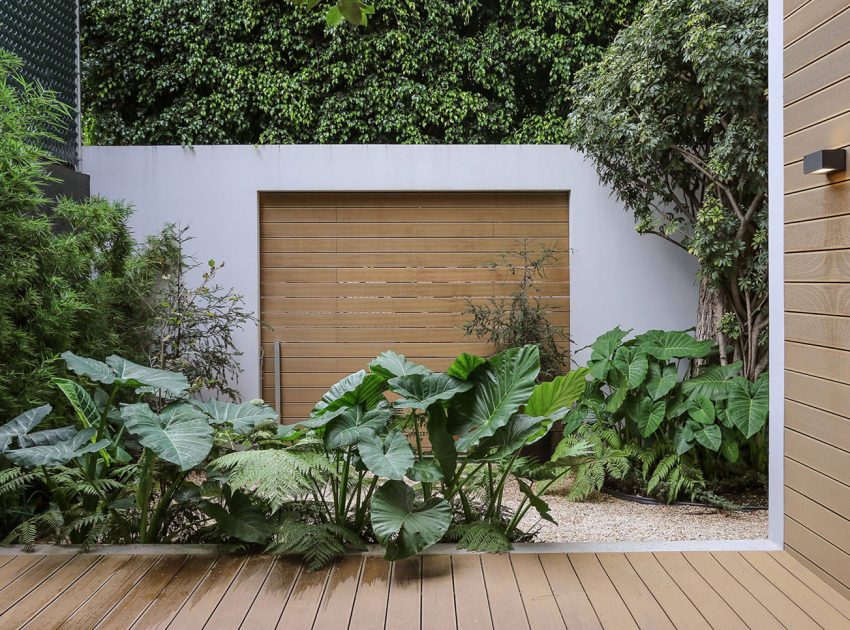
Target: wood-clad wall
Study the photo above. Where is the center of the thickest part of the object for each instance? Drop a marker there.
(345, 276)
(817, 290)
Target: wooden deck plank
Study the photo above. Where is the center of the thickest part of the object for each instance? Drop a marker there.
(169, 601)
(338, 600)
(681, 612)
(269, 603)
(829, 594)
(136, 600)
(438, 593)
(370, 604)
(507, 608)
(715, 610)
(197, 609)
(16, 567)
(576, 609)
(404, 607)
(26, 582)
(536, 599)
(739, 599)
(640, 601)
(66, 602)
(470, 593)
(779, 604)
(607, 603)
(798, 591)
(300, 609)
(17, 614)
(234, 604)
(93, 609)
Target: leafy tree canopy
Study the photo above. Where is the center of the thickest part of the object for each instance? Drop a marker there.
(675, 117)
(266, 71)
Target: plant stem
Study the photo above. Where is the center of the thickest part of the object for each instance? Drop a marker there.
(343, 487)
(143, 498)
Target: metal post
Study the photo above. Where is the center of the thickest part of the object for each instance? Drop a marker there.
(277, 398)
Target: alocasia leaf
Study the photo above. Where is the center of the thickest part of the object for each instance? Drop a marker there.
(390, 457)
(180, 433)
(403, 527)
(421, 391)
(390, 364)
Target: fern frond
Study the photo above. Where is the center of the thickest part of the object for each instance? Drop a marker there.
(274, 475)
(13, 480)
(317, 544)
(484, 536)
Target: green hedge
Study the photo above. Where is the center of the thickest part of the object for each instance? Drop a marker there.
(264, 71)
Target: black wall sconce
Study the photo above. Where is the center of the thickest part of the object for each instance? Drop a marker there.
(825, 161)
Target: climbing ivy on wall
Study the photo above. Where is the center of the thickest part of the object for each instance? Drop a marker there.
(265, 71)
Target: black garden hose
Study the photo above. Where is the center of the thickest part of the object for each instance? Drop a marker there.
(650, 501)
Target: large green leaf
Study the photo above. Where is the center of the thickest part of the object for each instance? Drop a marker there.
(701, 409)
(243, 417)
(421, 391)
(520, 430)
(360, 388)
(709, 436)
(649, 415)
(607, 343)
(632, 364)
(390, 364)
(135, 375)
(672, 344)
(57, 449)
(243, 520)
(442, 443)
(353, 425)
(21, 425)
(713, 381)
(553, 397)
(180, 433)
(401, 526)
(500, 390)
(83, 404)
(426, 470)
(97, 371)
(748, 404)
(465, 365)
(661, 380)
(47, 437)
(390, 457)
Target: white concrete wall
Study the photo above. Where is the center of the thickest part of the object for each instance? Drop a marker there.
(617, 276)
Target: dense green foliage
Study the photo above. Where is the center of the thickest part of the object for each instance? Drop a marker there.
(135, 460)
(66, 272)
(657, 433)
(675, 117)
(265, 71)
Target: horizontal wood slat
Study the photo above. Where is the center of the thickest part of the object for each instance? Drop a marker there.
(345, 276)
(819, 393)
(829, 36)
(820, 299)
(820, 202)
(822, 73)
(819, 330)
(827, 266)
(826, 363)
(829, 233)
(818, 107)
(818, 487)
(819, 456)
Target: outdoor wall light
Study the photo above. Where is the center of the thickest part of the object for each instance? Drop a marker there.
(825, 161)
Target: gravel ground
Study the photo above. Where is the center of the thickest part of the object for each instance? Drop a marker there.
(605, 519)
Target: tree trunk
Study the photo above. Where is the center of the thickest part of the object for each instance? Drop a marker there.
(710, 309)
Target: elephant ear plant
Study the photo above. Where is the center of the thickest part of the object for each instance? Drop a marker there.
(658, 431)
(431, 465)
(118, 471)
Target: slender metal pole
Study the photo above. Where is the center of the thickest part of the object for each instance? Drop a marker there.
(277, 400)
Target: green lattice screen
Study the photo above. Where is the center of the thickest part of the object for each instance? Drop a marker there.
(43, 33)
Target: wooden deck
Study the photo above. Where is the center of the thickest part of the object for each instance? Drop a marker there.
(724, 590)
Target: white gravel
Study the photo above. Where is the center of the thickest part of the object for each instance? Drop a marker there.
(603, 518)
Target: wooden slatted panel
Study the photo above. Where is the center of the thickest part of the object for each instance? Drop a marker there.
(817, 293)
(345, 276)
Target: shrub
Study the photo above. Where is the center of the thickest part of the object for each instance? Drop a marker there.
(666, 434)
(190, 325)
(65, 279)
(521, 319)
